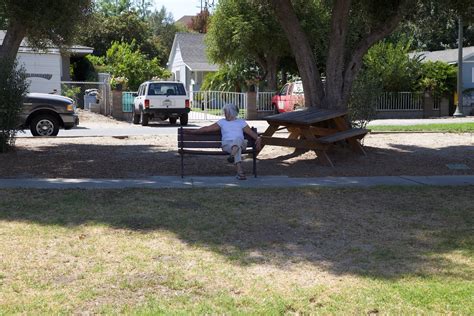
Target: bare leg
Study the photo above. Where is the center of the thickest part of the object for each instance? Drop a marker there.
(234, 150)
(240, 171)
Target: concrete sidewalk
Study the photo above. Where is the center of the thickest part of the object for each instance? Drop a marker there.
(230, 182)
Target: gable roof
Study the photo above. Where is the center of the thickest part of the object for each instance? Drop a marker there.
(186, 20)
(193, 52)
(449, 56)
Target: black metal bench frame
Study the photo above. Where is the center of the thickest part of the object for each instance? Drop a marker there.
(188, 142)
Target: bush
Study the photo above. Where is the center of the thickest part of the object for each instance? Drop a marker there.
(125, 61)
(366, 90)
(391, 62)
(438, 77)
(13, 87)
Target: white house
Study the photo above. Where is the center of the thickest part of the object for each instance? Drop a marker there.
(188, 60)
(46, 69)
(450, 56)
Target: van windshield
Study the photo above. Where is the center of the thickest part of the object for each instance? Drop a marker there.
(166, 88)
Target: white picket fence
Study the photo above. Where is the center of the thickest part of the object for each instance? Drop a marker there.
(400, 101)
(207, 105)
(264, 101)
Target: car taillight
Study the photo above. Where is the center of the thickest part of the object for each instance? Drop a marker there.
(186, 104)
(147, 104)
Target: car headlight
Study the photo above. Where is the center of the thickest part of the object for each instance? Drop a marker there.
(70, 107)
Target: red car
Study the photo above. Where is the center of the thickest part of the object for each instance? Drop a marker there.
(290, 97)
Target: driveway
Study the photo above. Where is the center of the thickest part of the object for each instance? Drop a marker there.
(94, 125)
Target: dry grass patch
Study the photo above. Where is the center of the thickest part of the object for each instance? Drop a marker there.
(390, 250)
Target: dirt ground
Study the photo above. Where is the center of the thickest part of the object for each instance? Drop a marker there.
(143, 156)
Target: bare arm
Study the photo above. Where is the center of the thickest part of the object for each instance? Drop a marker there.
(205, 129)
(251, 133)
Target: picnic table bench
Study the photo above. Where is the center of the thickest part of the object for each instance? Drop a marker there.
(210, 144)
(314, 129)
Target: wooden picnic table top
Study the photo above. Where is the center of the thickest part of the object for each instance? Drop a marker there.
(305, 117)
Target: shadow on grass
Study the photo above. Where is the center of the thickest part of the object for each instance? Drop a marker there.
(379, 233)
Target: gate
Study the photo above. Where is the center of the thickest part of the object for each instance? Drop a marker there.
(207, 105)
(127, 101)
(80, 92)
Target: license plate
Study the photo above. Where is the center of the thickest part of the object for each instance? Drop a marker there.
(167, 103)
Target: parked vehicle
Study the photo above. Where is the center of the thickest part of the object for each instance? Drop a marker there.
(289, 98)
(45, 114)
(163, 100)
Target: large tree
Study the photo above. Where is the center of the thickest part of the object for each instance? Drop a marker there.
(241, 30)
(42, 22)
(355, 26)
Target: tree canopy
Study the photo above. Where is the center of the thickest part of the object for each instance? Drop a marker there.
(250, 32)
(43, 22)
(354, 27)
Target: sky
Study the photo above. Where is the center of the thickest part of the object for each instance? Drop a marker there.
(179, 7)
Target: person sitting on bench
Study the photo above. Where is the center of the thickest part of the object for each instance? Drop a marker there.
(233, 140)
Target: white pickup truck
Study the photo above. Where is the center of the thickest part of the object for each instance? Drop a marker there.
(163, 100)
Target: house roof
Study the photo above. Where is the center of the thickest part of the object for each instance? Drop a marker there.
(76, 50)
(193, 52)
(186, 20)
(449, 56)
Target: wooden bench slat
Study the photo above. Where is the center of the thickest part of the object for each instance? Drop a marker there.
(295, 143)
(200, 137)
(207, 137)
(205, 144)
(209, 152)
(350, 133)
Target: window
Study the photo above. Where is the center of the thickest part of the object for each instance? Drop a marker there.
(178, 76)
(284, 90)
(166, 89)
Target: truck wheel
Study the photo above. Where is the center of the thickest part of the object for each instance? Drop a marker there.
(183, 119)
(44, 125)
(173, 120)
(135, 117)
(144, 118)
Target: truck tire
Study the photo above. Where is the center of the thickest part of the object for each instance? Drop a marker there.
(44, 125)
(173, 120)
(144, 118)
(183, 119)
(135, 117)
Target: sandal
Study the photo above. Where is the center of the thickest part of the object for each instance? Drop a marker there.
(241, 176)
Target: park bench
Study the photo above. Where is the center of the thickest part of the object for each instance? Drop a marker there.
(209, 144)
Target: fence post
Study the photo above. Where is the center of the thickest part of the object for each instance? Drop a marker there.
(252, 106)
(117, 111)
(428, 103)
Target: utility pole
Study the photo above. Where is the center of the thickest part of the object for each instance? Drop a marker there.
(458, 112)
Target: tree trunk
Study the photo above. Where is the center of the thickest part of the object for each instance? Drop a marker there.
(272, 69)
(13, 37)
(299, 42)
(335, 61)
(340, 73)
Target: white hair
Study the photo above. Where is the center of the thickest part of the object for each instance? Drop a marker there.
(231, 110)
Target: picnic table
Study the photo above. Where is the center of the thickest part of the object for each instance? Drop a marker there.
(313, 129)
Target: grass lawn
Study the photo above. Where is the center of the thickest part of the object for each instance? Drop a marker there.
(442, 128)
(385, 250)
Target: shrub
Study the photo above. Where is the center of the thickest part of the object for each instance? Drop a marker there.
(366, 90)
(125, 61)
(392, 63)
(13, 87)
(438, 77)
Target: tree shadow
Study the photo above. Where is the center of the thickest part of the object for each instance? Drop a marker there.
(387, 233)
